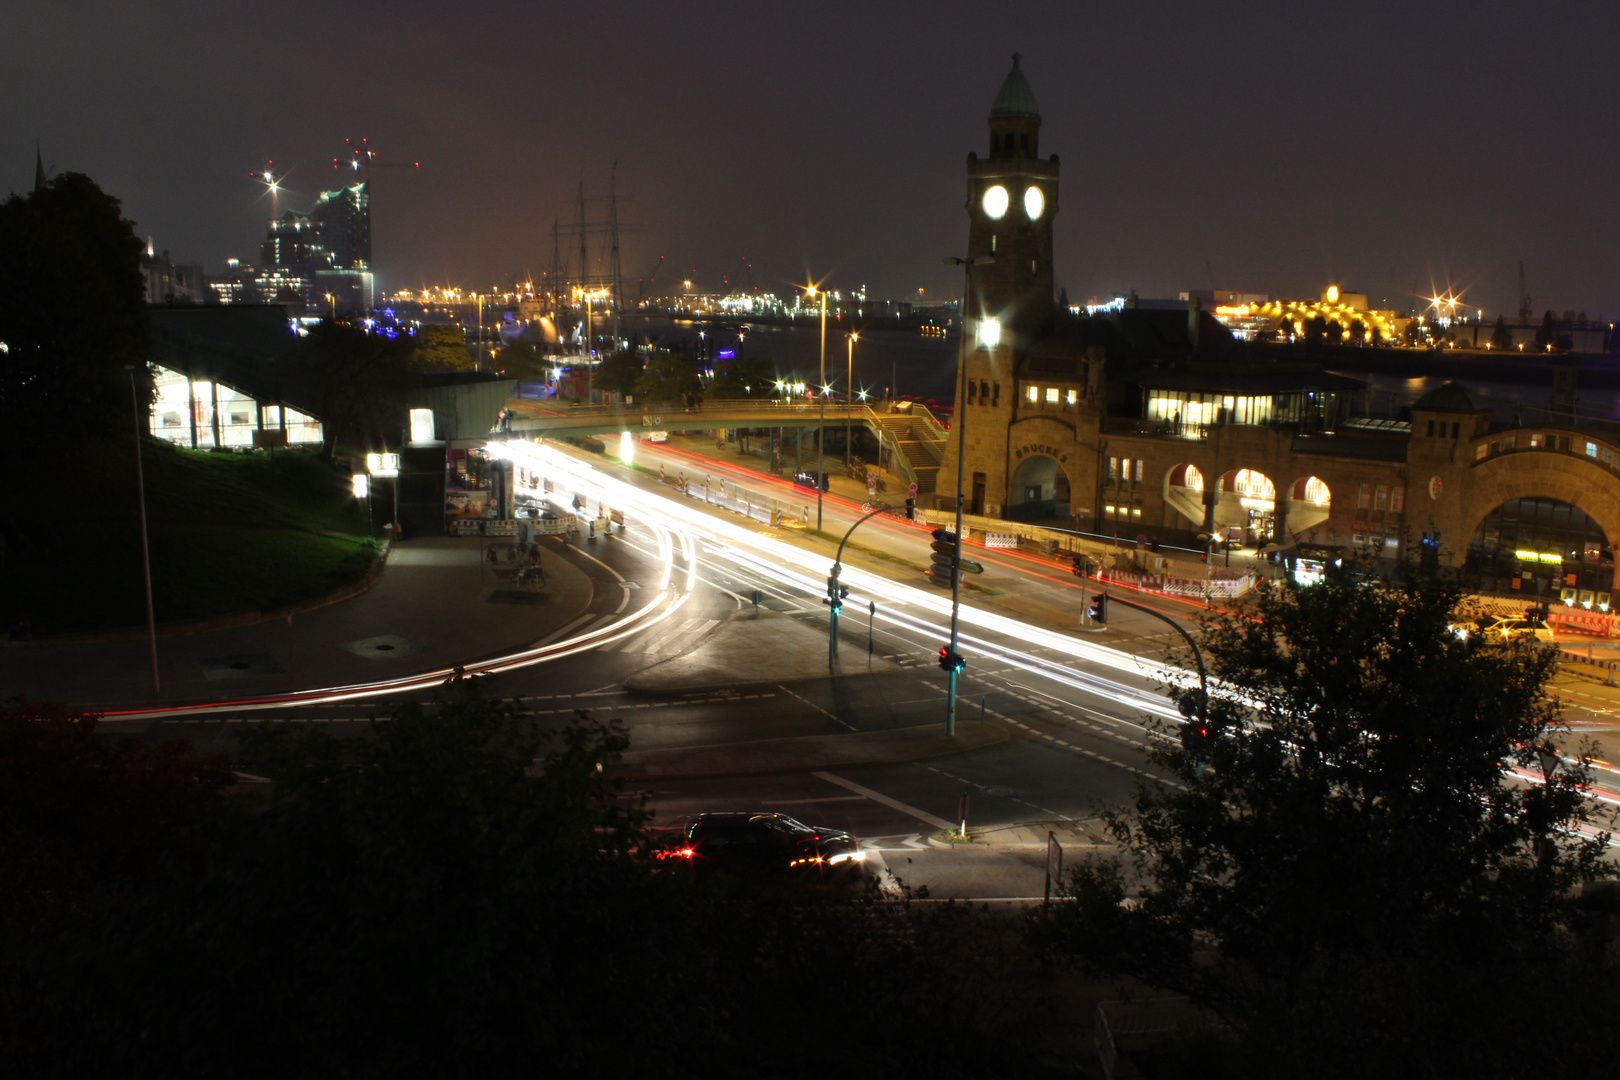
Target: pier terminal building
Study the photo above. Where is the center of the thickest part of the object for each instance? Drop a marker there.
(1159, 423)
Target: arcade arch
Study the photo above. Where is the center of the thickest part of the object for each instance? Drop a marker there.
(1247, 500)
(1542, 547)
(1184, 493)
(1309, 503)
(1039, 490)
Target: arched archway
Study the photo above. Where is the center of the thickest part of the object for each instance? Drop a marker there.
(1039, 490)
(1247, 500)
(1184, 493)
(1309, 503)
(1542, 547)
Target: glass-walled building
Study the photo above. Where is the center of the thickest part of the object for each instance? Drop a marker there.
(205, 415)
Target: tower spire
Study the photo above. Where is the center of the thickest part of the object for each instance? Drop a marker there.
(39, 171)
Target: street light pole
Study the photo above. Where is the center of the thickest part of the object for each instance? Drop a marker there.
(960, 420)
(849, 401)
(146, 551)
(821, 421)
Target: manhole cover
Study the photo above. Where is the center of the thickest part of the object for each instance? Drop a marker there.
(995, 791)
(238, 667)
(381, 647)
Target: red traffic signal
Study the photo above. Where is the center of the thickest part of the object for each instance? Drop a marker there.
(1081, 567)
(949, 661)
(1099, 608)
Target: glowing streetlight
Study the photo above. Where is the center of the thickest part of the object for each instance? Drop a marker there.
(848, 446)
(821, 422)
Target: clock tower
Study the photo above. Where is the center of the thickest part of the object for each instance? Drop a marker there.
(1012, 196)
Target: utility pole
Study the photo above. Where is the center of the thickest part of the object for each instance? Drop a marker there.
(146, 551)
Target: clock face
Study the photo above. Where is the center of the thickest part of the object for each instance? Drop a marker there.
(995, 202)
(1034, 203)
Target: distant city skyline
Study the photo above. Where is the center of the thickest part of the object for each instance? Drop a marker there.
(1270, 151)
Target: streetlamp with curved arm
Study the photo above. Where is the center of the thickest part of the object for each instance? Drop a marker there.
(959, 418)
(835, 595)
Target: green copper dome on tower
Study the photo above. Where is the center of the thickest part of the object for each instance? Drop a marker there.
(1015, 98)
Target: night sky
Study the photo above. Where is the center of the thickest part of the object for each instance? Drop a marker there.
(1286, 146)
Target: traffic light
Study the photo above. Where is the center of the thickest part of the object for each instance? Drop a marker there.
(1099, 608)
(949, 661)
(835, 595)
(1082, 567)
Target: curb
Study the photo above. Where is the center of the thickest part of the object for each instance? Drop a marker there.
(218, 622)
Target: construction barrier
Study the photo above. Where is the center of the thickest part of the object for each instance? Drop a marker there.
(1584, 622)
(1224, 588)
(1607, 668)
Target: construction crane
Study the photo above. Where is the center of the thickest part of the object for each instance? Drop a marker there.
(642, 283)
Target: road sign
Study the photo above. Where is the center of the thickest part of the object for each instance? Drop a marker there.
(911, 491)
(971, 567)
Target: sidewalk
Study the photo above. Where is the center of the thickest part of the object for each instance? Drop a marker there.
(435, 604)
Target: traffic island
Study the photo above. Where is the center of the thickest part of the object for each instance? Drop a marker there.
(759, 647)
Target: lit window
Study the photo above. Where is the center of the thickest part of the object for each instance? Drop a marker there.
(1535, 441)
(1051, 395)
(1136, 513)
(989, 333)
(1139, 475)
(1108, 510)
(1113, 469)
(1192, 479)
(1034, 394)
(1605, 455)
(1591, 449)
(1381, 498)
(1480, 451)
(1073, 397)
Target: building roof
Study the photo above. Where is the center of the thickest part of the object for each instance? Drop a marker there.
(1015, 98)
(1391, 447)
(1449, 398)
(1245, 379)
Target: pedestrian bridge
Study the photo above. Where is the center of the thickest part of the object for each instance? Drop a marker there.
(913, 438)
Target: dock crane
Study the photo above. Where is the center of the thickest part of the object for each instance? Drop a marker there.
(642, 283)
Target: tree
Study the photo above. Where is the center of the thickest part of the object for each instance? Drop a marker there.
(72, 314)
(1351, 844)
(618, 371)
(441, 348)
(668, 376)
(521, 361)
(355, 381)
(740, 378)
(1501, 338)
(1544, 335)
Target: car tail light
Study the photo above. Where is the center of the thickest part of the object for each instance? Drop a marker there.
(677, 853)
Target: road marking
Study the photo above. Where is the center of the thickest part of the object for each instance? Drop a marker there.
(841, 723)
(806, 802)
(878, 797)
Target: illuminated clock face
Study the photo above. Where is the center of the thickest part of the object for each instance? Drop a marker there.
(995, 201)
(1034, 203)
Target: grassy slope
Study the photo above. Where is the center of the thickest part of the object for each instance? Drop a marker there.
(229, 533)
